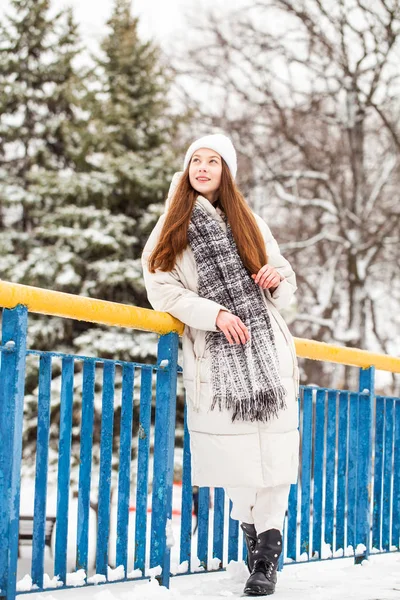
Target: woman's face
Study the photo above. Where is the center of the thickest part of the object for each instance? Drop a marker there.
(205, 171)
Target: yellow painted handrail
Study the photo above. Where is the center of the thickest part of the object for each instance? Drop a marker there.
(71, 306)
(346, 356)
(81, 308)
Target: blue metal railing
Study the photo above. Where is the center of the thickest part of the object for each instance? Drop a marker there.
(348, 493)
(345, 468)
(12, 381)
(386, 496)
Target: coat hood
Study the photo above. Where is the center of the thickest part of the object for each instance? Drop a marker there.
(172, 188)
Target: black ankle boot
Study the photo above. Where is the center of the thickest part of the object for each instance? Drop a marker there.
(263, 578)
(250, 536)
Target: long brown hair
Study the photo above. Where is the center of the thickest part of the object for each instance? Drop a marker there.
(173, 237)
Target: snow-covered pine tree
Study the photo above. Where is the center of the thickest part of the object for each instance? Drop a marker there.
(43, 136)
(136, 125)
(134, 153)
(84, 156)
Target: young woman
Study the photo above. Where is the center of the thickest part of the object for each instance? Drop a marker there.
(214, 265)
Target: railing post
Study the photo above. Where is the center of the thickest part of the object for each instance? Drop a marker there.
(364, 458)
(187, 498)
(12, 383)
(164, 442)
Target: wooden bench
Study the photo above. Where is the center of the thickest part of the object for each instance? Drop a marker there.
(26, 531)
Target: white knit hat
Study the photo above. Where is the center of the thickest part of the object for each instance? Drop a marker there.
(218, 142)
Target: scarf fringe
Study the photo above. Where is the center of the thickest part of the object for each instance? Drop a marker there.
(259, 406)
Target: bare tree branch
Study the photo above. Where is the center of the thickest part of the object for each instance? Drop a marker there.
(313, 109)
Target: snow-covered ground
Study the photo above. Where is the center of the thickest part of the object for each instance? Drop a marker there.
(376, 579)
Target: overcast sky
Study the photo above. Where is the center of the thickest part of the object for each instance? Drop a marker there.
(160, 19)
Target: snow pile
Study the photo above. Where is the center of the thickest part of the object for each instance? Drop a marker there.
(360, 550)
(98, 578)
(154, 571)
(135, 574)
(116, 574)
(183, 567)
(237, 571)
(25, 584)
(150, 590)
(76, 579)
(196, 566)
(303, 557)
(213, 564)
(326, 551)
(51, 582)
(176, 569)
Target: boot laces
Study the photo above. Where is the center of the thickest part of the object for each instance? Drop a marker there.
(264, 566)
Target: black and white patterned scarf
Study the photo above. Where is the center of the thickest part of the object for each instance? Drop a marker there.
(245, 377)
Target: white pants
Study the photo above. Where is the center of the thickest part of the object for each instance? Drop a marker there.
(263, 507)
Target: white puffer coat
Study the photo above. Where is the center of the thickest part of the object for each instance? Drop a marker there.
(226, 454)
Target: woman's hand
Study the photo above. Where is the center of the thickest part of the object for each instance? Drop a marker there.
(234, 329)
(267, 277)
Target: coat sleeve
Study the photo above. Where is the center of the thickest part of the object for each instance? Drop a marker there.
(283, 294)
(167, 293)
